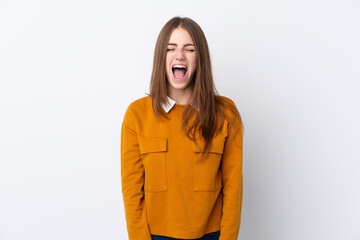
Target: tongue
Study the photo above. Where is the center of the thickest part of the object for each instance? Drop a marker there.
(179, 73)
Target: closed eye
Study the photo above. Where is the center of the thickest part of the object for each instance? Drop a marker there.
(170, 49)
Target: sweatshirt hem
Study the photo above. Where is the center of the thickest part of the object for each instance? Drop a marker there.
(184, 234)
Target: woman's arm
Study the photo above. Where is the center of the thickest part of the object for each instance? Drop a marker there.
(132, 181)
(232, 178)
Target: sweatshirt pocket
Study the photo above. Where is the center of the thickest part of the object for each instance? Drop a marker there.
(207, 172)
(153, 151)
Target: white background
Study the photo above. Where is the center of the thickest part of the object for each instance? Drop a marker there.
(69, 69)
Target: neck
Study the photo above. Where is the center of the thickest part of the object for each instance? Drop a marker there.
(180, 96)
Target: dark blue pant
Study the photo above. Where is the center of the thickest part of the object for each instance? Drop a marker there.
(209, 236)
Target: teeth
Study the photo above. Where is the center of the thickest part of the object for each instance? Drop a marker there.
(179, 66)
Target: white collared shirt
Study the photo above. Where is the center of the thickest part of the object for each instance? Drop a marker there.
(171, 104)
(168, 107)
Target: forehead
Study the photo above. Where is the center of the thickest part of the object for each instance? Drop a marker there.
(180, 36)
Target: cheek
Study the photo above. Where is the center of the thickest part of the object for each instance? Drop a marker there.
(167, 61)
(169, 56)
(194, 61)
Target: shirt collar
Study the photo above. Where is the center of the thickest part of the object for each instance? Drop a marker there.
(169, 106)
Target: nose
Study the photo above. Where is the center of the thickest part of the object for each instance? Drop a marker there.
(180, 55)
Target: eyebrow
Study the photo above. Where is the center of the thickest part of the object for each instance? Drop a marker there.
(186, 45)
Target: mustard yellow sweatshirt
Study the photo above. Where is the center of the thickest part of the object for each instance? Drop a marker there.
(167, 189)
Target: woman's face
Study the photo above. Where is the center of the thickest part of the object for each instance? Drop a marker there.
(180, 61)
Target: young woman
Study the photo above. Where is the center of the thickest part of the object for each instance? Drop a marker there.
(181, 147)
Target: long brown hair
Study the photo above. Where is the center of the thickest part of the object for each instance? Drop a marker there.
(203, 114)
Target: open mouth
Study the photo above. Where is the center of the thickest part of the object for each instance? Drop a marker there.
(179, 71)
